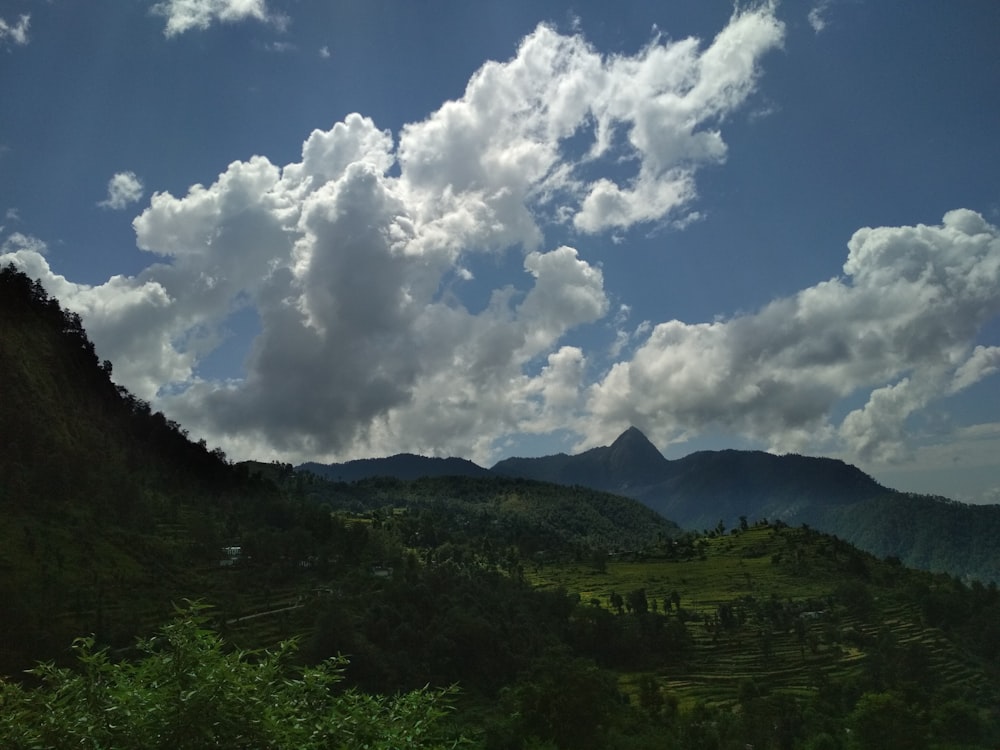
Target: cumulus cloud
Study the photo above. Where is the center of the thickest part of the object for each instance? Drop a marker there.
(17, 32)
(347, 257)
(899, 327)
(185, 15)
(124, 188)
(343, 254)
(504, 140)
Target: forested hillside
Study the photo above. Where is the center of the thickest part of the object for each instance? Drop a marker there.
(500, 613)
(109, 511)
(535, 516)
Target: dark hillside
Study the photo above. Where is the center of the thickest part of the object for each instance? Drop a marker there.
(100, 446)
(108, 509)
(554, 468)
(534, 516)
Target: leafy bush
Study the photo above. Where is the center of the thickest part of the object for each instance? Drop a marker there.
(188, 692)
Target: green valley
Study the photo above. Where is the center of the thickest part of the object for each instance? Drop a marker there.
(252, 605)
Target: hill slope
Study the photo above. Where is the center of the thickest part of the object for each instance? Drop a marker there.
(535, 516)
(108, 513)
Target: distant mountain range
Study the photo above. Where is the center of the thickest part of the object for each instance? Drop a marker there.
(709, 488)
(401, 466)
(701, 489)
(697, 491)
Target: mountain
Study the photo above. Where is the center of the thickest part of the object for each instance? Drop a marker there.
(400, 466)
(705, 488)
(700, 489)
(629, 463)
(708, 486)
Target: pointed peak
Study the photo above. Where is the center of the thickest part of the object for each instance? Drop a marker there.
(632, 449)
(632, 436)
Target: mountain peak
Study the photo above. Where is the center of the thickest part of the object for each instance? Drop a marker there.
(632, 436)
(633, 452)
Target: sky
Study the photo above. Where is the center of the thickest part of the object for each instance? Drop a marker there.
(322, 231)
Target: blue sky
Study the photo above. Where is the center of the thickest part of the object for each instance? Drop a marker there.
(323, 231)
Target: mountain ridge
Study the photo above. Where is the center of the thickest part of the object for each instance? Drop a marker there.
(400, 466)
(725, 488)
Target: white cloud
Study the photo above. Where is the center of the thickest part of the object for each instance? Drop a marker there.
(185, 15)
(660, 108)
(124, 188)
(983, 362)
(346, 256)
(324, 52)
(17, 244)
(899, 327)
(16, 33)
(280, 47)
(354, 346)
(817, 15)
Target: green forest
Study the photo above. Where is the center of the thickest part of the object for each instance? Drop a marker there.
(156, 594)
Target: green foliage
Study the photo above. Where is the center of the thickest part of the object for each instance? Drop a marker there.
(883, 721)
(564, 700)
(188, 692)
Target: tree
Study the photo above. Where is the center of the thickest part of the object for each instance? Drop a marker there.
(882, 721)
(565, 700)
(616, 601)
(650, 696)
(188, 692)
(636, 602)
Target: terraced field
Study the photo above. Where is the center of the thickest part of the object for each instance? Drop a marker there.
(791, 618)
